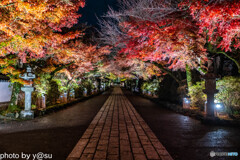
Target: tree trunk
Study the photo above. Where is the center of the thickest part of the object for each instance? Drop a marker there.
(38, 102)
(234, 60)
(140, 82)
(189, 76)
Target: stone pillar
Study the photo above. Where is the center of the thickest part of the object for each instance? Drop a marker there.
(43, 101)
(210, 90)
(65, 97)
(104, 86)
(85, 92)
(72, 95)
(27, 113)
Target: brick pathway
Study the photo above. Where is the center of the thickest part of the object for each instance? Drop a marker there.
(118, 132)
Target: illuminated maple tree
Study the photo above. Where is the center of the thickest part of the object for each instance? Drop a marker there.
(220, 20)
(30, 30)
(158, 32)
(130, 68)
(29, 27)
(174, 45)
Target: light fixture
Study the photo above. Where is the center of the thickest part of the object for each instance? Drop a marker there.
(218, 105)
(186, 100)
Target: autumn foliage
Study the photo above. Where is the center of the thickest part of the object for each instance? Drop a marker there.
(29, 27)
(220, 19)
(175, 35)
(171, 43)
(32, 32)
(146, 32)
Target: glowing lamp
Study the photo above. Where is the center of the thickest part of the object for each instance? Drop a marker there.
(186, 103)
(218, 106)
(186, 100)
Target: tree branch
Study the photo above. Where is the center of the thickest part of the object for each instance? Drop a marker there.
(167, 71)
(234, 60)
(7, 5)
(59, 69)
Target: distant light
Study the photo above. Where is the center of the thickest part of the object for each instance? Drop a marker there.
(218, 105)
(186, 100)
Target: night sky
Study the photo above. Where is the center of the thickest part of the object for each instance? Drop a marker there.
(94, 9)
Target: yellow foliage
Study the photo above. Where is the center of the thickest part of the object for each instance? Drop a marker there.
(21, 81)
(2, 62)
(49, 69)
(10, 70)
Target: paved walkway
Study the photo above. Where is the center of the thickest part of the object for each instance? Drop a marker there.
(55, 133)
(184, 137)
(118, 132)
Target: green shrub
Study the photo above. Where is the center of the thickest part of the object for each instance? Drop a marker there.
(34, 106)
(53, 93)
(197, 96)
(42, 85)
(12, 109)
(151, 86)
(79, 91)
(62, 87)
(88, 85)
(229, 94)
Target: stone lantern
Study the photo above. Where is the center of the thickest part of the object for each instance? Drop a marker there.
(210, 90)
(85, 92)
(72, 94)
(27, 113)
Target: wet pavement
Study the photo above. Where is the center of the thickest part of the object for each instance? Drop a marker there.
(186, 138)
(118, 132)
(56, 133)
